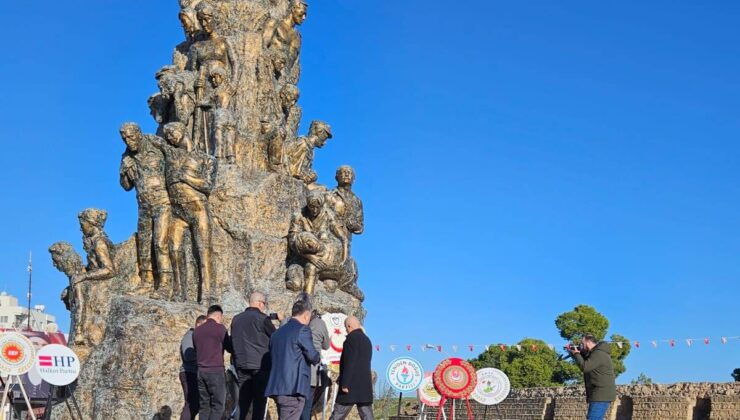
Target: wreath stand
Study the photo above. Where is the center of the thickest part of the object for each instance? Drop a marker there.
(67, 394)
(8, 387)
(441, 408)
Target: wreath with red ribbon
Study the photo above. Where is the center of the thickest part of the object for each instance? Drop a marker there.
(455, 378)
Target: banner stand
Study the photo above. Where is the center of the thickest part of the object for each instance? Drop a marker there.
(8, 387)
(67, 394)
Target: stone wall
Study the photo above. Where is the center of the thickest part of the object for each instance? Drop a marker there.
(682, 401)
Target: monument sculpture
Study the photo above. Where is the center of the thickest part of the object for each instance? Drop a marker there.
(229, 201)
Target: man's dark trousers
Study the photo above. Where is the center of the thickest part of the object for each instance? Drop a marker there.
(252, 385)
(189, 382)
(212, 390)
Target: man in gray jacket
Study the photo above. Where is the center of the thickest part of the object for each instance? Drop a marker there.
(189, 373)
(320, 335)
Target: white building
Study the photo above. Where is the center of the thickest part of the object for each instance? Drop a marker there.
(13, 316)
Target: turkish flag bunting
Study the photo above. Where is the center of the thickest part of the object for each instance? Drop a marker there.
(471, 347)
(408, 348)
(637, 344)
(706, 341)
(502, 347)
(439, 349)
(377, 348)
(673, 343)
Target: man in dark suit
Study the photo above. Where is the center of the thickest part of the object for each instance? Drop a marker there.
(355, 376)
(291, 353)
(250, 335)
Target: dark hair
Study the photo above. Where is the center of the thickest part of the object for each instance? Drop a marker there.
(301, 306)
(214, 308)
(590, 337)
(200, 318)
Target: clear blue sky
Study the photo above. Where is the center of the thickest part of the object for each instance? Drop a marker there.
(515, 159)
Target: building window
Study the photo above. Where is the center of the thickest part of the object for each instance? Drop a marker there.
(3, 319)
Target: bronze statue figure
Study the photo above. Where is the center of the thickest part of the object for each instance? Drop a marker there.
(275, 136)
(346, 204)
(190, 176)
(143, 168)
(212, 47)
(283, 40)
(322, 242)
(189, 22)
(177, 96)
(292, 113)
(300, 151)
(68, 261)
(100, 264)
(223, 126)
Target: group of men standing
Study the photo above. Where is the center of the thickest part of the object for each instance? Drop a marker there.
(280, 363)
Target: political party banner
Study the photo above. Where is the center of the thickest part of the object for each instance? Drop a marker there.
(35, 386)
(16, 354)
(337, 335)
(427, 393)
(405, 374)
(455, 378)
(492, 388)
(57, 365)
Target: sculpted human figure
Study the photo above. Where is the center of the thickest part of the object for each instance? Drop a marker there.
(69, 262)
(346, 204)
(275, 136)
(216, 106)
(189, 22)
(142, 167)
(189, 175)
(212, 47)
(292, 112)
(282, 39)
(176, 100)
(322, 241)
(100, 265)
(301, 150)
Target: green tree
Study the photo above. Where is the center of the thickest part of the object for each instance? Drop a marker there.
(585, 319)
(736, 375)
(533, 366)
(581, 320)
(642, 379)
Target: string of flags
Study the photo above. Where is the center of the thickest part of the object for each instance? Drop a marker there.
(454, 348)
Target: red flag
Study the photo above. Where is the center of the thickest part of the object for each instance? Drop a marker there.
(673, 343)
(408, 348)
(377, 348)
(502, 347)
(534, 347)
(706, 341)
(471, 347)
(439, 349)
(637, 344)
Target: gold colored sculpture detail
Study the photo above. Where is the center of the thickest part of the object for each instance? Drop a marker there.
(300, 151)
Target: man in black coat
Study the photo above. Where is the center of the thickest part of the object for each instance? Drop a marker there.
(355, 376)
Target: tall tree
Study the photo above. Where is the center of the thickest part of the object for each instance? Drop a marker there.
(584, 319)
(736, 375)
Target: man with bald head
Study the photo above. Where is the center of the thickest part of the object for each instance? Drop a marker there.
(355, 376)
(251, 331)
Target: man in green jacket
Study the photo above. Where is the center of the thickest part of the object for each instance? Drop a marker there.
(595, 361)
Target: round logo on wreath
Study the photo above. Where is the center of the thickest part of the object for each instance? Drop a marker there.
(455, 378)
(428, 394)
(16, 354)
(405, 374)
(493, 386)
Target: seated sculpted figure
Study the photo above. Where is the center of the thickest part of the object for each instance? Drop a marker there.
(322, 243)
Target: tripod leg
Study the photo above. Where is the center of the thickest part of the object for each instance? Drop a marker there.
(25, 398)
(47, 410)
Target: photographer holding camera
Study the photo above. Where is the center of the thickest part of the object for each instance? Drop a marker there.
(595, 361)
